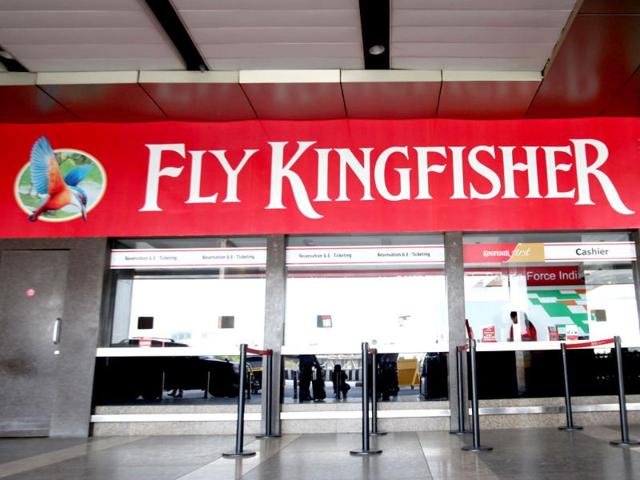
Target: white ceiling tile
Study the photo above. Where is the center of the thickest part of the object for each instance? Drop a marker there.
(73, 35)
(275, 34)
(68, 5)
(476, 34)
(98, 64)
(281, 50)
(473, 18)
(69, 36)
(77, 19)
(457, 63)
(86, 50)
(269, 5)
(485, 4)
(227, 35)
(286, 63)
(272, 18)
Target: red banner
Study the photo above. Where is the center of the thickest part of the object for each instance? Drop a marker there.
(337, 176)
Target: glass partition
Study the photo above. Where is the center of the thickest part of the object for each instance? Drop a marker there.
(382, 289)
(525, 291)
(550, 287)
(181, 308)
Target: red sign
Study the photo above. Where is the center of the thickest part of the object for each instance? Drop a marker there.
(318, 177)
(554, 276)
(489, 334)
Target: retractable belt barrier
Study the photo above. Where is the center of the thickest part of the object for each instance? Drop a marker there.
(244, 349)
(460, 382)
(475, 414)
(365, 450)
(624, 423)
(374, 393)
(622, 402)
(570, 427)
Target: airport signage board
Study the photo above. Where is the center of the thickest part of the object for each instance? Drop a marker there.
(337, 176)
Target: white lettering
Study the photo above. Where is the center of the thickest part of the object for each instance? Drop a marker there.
(196, 176)
(484, 171)
(155, 172)
(323, 175)
(424, 169)
(232, 173)
(380, 174)
(552, 168)
(458, 173)
(280, 172)
(361, 170)
(583, 171)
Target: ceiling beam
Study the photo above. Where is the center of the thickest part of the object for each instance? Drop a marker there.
(374, 21)
(10, 63)
(178, 34)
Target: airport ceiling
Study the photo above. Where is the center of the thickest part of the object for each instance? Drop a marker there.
(218, 60)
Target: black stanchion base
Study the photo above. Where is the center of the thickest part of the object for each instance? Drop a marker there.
(459, 432)
(364, 453)
(377, 434)
(471, 448)
(273, 435)
(570, 429)
(238, 455)
(620, 443)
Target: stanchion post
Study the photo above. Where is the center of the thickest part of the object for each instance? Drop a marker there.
(267, 390)
(570, 427)
(460, 382)
(365, 450)
(475, 405)
(374, 394)
(241, 400)
(207, 385)
(624, 423)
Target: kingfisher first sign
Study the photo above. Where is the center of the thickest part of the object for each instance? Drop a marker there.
(260, 177)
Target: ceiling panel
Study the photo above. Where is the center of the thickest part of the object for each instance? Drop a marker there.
(23, 101)
(201, 96)
(476, 34)
(300, 95)
(73, 35)
(101, 96)
(500, 98)
(391, 94)
(627, 102)
(597, 57)
(303, 34)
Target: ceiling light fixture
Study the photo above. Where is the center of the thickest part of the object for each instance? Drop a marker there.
(376, 50)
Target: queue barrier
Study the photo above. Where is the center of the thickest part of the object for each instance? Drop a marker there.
(570, 426)
(460, 383)
(475, 409)
(366, 447)
(374, 393)
(239, 451)
(625, 441)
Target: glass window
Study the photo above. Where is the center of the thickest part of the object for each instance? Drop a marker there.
(388, 290)
(553, 286)
(204, 293)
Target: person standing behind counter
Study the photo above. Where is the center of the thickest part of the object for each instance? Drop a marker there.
(530, 333)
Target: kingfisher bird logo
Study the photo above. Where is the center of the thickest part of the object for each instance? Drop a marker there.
(59, 185)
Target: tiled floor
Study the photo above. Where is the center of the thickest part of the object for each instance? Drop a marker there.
(518, 454)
